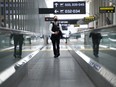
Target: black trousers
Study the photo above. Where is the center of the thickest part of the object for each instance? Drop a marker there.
(95, 48)
(16, 43)
(56, 48)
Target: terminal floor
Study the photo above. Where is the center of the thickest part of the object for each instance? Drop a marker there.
(48, 71)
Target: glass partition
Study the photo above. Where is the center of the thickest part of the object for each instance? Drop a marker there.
(107, 48)
(19, 15)
(4, 41)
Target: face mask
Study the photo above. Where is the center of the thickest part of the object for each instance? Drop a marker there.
(55, 19)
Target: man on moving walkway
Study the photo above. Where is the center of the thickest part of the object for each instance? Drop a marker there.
(96, 37)
(18, 40)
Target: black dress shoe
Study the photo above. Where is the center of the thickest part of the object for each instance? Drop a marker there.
(55, 56)
(58, 55)
(96, 55)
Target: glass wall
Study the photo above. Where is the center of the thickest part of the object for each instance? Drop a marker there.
(22, 15)
(4, 43)
(107, 49)
(105, 18)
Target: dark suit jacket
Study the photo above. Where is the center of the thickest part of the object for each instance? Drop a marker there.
(96, 37)
(55, 28)
(18, 38)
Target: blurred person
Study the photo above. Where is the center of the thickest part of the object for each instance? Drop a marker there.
(96, 37)
(18, 40)
(56, 34)
(2, 23)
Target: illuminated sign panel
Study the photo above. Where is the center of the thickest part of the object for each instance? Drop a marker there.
(49, 18)
(106, 9)
(90, 18)
(63, 21)
(69, 7)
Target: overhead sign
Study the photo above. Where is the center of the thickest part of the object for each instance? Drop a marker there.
(49, 18)
(76, 25)
(68, 21)
(46, 11)
(88, 19)
(63, 21)
(70, 7)
(107, 9)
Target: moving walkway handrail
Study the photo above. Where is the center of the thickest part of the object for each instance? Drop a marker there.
(9, 31)
(105, 28)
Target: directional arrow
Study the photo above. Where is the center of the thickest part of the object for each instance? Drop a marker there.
(56, 4)
(56, 11)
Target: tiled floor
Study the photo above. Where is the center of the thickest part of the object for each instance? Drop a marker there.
(51, 72)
